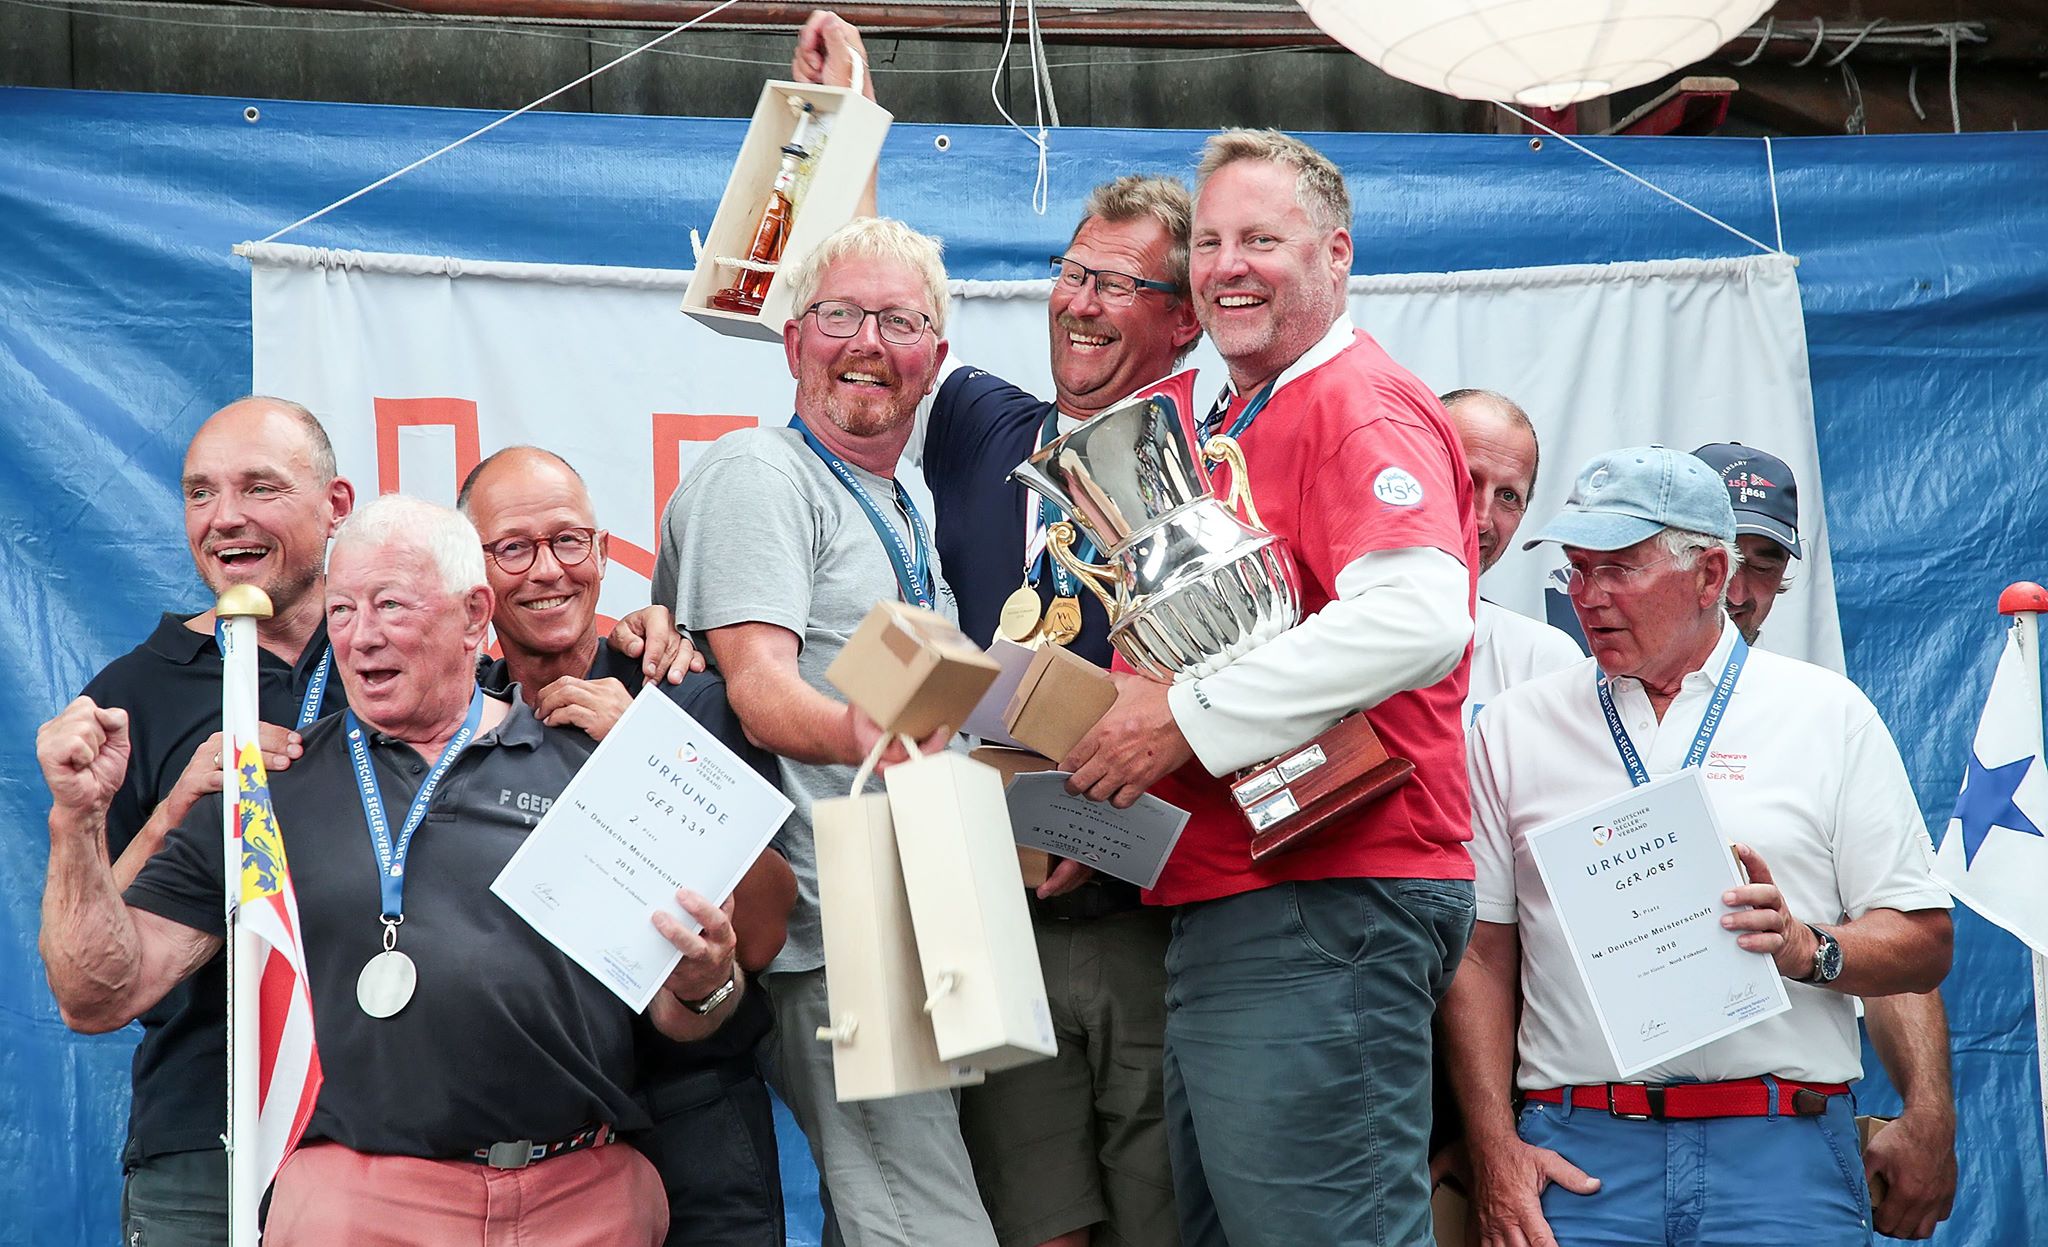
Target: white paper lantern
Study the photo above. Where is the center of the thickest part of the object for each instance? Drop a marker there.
(1540, 53)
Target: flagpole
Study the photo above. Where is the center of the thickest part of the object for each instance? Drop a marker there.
(237, 611)
(2025, 601)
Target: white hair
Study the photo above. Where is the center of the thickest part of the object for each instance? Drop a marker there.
(445, 536)
(877, 238)
(1684, 547)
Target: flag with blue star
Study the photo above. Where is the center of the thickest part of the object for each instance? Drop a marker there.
(1994, 856)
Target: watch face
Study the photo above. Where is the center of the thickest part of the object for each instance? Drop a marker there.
(1828, 958)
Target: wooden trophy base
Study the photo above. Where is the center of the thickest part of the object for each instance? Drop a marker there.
(1295, 795)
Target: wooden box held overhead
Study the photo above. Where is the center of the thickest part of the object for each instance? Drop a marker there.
(852, 127)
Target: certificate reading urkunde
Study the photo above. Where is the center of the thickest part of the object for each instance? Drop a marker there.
(1636, 882)
(660, 805)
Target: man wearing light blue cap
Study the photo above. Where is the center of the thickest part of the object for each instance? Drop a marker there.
(1707, 1146)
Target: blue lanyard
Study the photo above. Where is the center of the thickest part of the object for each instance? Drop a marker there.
(1710, 722)
(913, 566)
(1244, 418)
(1063, 582)
(316, 687)
(390, 856)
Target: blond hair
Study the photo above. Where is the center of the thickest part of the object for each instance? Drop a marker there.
(1318, 185)
(876, 238)
(1147, 197)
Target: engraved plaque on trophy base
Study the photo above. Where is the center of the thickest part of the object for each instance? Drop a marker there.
(1296, 794)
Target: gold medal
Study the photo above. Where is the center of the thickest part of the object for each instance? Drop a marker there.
(1062, 620)
(1019, 618)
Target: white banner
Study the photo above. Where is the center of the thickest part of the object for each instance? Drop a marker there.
(419, 366)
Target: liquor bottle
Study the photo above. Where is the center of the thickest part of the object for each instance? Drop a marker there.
(750, 288)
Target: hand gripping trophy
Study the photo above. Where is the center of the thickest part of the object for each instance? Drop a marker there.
(1192, 582)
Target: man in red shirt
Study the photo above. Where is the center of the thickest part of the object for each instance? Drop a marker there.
(1300, 988)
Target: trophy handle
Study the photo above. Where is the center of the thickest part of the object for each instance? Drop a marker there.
(1223, 448)
(1059, 538)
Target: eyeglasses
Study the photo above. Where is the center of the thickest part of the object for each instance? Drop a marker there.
(1110, 287)
(1606, 577)
(899, 326)
(515, 555)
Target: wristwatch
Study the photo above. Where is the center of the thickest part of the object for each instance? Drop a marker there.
(1827, 957)
(732, 985)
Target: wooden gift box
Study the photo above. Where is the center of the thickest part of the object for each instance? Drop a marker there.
(986, 994)
(882, 1043)
(854, 127)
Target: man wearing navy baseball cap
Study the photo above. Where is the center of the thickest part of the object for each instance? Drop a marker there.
(1910, 1163)
(1840, 898)
(1765, 496)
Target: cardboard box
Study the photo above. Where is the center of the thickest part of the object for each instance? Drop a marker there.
(911, 670)
(1450, 1215)
(853, 129)
(1061, 697)
(882, 1043)
(985, 992)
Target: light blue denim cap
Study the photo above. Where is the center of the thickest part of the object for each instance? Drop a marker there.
(1629, 495)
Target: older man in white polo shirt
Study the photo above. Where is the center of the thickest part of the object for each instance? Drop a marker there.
(1750, 1138)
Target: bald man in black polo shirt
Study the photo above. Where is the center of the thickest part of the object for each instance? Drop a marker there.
(509, 1055)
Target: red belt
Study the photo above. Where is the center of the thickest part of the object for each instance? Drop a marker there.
(1682, 1101)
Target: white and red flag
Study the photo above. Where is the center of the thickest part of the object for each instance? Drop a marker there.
(273, 1064)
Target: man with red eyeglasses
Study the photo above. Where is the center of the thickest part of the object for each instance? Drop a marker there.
(1708, 1146)
(713, 1139)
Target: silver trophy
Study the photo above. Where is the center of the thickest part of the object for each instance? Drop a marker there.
(1189, 585)
(1191, 582)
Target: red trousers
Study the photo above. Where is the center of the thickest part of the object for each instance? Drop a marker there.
(329, 1196)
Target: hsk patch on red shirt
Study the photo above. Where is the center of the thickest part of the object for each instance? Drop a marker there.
(1352, 456)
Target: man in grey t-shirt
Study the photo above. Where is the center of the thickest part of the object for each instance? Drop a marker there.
(773, 549)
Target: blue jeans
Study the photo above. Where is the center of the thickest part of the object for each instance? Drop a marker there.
(1722, 1182)
(1297, 1063)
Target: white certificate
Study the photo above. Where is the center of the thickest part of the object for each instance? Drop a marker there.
(1131, 844)
(662, 804)
(1636, 882)
(986, 719)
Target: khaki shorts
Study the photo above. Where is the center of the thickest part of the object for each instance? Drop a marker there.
(1080, 1140)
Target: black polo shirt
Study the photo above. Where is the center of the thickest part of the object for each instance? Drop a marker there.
(981, 428)
(506, 1038)
(170, 687)
(701, 696)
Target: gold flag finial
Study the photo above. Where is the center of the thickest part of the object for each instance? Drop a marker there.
(242, 602)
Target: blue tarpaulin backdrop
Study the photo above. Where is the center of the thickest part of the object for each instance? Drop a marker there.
(124, 320)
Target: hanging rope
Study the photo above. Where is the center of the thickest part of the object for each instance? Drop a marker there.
(1577, 146)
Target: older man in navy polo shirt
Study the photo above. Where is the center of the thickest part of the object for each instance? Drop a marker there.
(412, 1139)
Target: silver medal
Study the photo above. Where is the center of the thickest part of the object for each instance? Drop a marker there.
(386, 984)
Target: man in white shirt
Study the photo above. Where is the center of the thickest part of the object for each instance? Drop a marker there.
(1798, 765)
(1500, 451)
(1911, 1163)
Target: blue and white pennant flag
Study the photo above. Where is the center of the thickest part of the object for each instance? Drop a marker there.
(1994, 856)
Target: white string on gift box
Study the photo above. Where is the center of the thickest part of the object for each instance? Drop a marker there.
(480, 131)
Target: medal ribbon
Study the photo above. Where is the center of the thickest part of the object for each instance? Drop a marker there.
(913, 566)
(1710, 721)
(1244, 418)
(390, 855)
(1039, 515)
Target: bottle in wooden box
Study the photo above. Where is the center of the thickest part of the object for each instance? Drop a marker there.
(764, 254)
